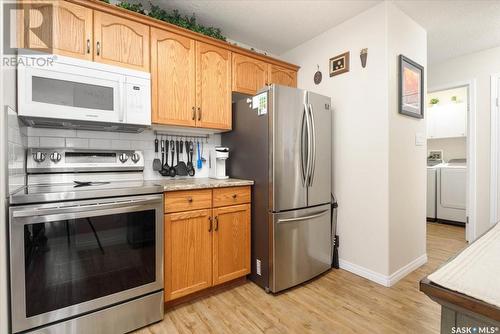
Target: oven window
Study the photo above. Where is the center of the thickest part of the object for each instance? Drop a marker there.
(72, 261)
(73, 94)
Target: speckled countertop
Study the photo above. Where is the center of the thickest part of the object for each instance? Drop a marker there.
(199, 183)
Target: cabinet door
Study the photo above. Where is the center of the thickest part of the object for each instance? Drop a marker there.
(231, 243)
(173, 78)
(69, 32)
(249, 74)
(188, 249)
(282, 76)
(121, 42)
(213, 87)
(447, 120)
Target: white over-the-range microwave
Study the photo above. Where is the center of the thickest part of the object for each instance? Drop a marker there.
(59, 91)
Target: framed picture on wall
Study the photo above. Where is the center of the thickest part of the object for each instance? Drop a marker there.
(339, 64)
(411, 88)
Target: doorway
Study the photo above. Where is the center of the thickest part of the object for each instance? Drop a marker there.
(451, 162)
(495, 150)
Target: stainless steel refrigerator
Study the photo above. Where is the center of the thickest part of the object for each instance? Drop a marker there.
(282, 139)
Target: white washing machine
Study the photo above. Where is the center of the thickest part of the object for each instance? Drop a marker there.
(451, 191)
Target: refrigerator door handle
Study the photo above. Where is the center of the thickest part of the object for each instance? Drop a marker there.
(303, 162)
(309, 146)
(291, 220)
(313, 140)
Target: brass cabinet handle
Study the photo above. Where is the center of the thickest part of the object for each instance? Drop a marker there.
(210, 224)
(88, 45)
(98, 48)
(216, 223)
(194, 113)
(190, 199)
(199, 113)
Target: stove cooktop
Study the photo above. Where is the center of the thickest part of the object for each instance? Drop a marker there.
(71, 191)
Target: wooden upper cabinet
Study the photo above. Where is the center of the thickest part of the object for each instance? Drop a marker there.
(173, 78)
(249, 74)
(121, 42)
(188, 245)
(213, 86)
(70, 31)
(231, 248)
(282, 76)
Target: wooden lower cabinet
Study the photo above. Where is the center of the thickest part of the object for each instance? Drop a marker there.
(206, 247)
(231, 246)
(188, 240)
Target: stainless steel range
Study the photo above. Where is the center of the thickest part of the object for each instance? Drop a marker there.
(86, 244)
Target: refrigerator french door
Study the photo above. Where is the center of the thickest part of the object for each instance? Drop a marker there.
(301, 148)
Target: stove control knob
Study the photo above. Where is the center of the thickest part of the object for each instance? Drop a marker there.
(55, 157)
(39, 156)
(123, 157)
(136, 157)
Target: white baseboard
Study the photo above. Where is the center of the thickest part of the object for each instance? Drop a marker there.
(364, 272)
(385, 280)
(405, 270)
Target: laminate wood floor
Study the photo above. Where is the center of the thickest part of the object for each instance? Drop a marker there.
(337, 302)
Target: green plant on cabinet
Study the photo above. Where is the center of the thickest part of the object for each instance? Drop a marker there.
(173, 17)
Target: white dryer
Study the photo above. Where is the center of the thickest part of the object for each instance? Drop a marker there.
(451, 191)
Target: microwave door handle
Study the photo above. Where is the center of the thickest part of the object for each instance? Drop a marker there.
(123, 101)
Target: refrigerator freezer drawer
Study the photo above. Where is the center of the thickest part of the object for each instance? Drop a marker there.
(302, 246)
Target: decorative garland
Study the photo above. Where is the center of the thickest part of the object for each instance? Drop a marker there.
(174, 17)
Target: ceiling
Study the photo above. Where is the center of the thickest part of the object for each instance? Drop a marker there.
(275, 26)
(272, 26)
(455, 28)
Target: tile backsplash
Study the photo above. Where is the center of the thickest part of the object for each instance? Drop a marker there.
(17, 143)
(83, 139)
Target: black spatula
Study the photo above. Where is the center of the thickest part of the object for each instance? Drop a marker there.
(181, 168)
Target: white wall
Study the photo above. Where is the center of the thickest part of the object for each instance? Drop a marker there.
(366, 148)
(478, 66)
(453, 148)
(407, 161)
(360, 132)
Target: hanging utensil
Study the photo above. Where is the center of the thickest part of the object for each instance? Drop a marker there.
(190, 166)
(181, 167)
(157, 164)
(203, 152)
(171, 170)
(163, 170)
(198, 161)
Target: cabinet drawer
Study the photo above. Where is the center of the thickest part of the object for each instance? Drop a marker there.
(231, 196)
(177, 201)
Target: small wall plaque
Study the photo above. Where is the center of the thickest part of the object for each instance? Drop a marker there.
(339, 64)
(317, 77)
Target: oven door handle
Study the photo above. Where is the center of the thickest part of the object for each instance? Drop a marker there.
(74, 208)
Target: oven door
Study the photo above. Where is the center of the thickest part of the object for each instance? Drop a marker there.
(71, 258)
